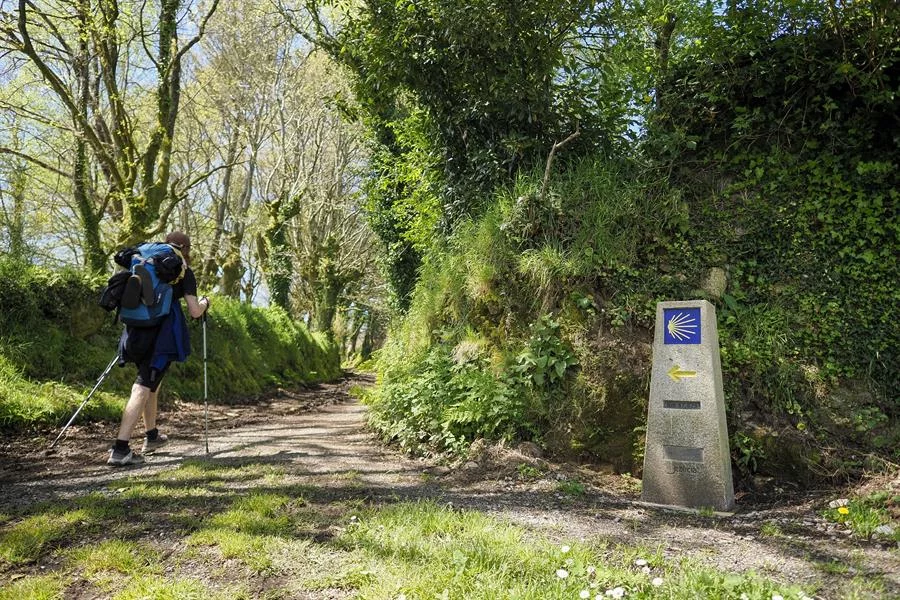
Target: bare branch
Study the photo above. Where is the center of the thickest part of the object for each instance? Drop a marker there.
(62, 92)
(553, 150)
(200, 31)
(143, 36)
(36, 161)
(201, 178)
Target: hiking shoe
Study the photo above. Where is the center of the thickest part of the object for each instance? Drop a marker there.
(151, 445)
(117, 458)
(148, 294)
(131, 295)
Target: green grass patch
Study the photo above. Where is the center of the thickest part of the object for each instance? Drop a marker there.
(25, 540)
(422, 550)
(257, 514)
(45, 587)
(114, 556)
(571, 487)
(23, 401)
(868, 516)
(834, 567)
(251, 529)
(152, 587)
(770, 529)
(111, 564)
(253, 550)
(528, 472)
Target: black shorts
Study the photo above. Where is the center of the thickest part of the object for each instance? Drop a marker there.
(148, 376)
(136, 345)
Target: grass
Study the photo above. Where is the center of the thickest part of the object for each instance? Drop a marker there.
(528, 472)
(770, 529)
(571, 487)
(25, 402)
(213, 531)
(868, 516)
(45, 587)
(26, 540)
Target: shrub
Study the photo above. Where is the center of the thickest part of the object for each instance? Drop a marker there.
(49, 359)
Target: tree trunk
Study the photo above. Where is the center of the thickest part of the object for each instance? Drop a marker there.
(95, 258)
(663, 44)
(16, 222)
(326, 305)
(279, 259)
(220, 207)
(279, 265)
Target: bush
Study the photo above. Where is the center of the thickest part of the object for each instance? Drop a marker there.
(56, 342)
(480, 354)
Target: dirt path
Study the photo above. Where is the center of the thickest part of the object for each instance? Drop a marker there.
(318, 435)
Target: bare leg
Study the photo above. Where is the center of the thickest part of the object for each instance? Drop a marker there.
(133, 410)
(150, 409)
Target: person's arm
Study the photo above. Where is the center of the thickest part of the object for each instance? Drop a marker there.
(196, 307)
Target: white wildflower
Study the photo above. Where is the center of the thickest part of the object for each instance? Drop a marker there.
(777, 597)
(562, 573)
(564, 549)
(656, 581)
(584, 595)
(640, 562)
(591, 569)
(645, 570)
(616, 592)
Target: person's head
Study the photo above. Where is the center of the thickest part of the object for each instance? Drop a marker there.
(181, 241)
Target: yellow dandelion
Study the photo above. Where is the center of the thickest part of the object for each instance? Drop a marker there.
(843, 510)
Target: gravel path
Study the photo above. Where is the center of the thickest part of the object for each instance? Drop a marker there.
(318, 435)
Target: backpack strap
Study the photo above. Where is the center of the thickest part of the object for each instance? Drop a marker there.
(177, 250)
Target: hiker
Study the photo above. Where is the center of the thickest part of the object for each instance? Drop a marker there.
(153, 349)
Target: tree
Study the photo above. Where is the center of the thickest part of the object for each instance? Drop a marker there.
(458, 96)
(269, 117)
(97, 81)
(317, 240)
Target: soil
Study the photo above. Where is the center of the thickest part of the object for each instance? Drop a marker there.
(319, 435)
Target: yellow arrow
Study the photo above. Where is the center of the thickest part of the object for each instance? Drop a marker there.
(677, 374)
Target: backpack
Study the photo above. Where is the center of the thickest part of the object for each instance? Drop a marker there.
(142, 293)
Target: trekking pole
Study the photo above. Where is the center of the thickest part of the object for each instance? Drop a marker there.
(205, 387)
(96, 386)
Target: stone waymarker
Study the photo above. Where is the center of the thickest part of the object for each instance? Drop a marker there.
(687, 461)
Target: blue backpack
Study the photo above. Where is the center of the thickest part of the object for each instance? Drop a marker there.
(153, 269)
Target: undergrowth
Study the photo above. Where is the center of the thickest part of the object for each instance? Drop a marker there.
(56, 342)
(533, 322)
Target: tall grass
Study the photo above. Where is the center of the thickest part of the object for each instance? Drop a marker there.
(55, 342)
(489, 286)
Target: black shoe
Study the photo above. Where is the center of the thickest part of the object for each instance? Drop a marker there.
(131, 295)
